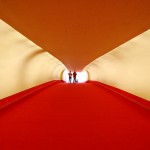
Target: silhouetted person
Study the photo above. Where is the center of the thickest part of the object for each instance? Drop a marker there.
(74, 77)
(70, 76)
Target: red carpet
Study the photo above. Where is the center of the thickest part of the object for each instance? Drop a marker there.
(62, 116)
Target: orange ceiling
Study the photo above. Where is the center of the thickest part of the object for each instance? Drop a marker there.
(77, 31)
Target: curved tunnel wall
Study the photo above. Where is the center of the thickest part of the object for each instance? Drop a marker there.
(127, 67)
(23, 64)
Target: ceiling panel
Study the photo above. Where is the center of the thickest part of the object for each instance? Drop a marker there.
(77, 32)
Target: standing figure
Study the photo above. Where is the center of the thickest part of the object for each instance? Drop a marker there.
(74, 77)
(70, 76)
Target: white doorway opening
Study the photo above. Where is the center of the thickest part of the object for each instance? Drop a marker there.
(80, 78)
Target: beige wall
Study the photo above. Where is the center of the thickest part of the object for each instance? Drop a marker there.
(126, 67)
(23, 64)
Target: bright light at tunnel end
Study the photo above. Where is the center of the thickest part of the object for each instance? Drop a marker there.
(81, 76)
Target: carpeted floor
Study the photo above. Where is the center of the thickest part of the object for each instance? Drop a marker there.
(62, 116)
